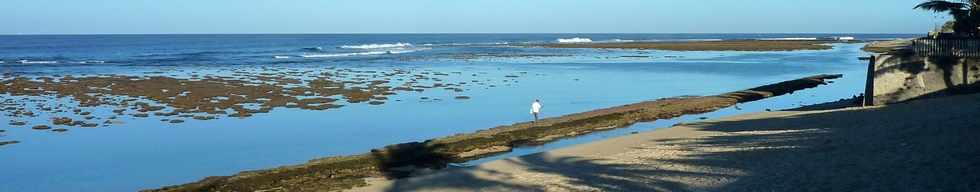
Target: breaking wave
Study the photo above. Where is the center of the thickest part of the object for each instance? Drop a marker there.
(377, 46)
(575, 40)
(360, 53)
(36, 62)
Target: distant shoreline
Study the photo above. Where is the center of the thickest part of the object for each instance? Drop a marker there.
(724, 45)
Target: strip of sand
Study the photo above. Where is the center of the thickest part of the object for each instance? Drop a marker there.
(924, 145)
(728, 45)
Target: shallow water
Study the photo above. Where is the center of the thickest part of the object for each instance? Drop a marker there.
(142, 153)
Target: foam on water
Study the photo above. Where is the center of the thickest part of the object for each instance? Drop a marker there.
(36, 62)
(361, 53)
(92, 61)
(376, 46)
(575, 40)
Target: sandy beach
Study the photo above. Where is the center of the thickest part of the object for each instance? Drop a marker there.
(902, 147)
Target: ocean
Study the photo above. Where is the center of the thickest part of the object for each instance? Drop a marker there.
(449, 84)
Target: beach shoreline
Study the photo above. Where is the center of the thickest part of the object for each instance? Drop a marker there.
(403, 160)
(838, 149)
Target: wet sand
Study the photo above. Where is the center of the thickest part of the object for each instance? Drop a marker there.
(403, 160)
(733, 45)
(901, 147)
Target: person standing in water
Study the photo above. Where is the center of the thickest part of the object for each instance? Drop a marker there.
(536, 109)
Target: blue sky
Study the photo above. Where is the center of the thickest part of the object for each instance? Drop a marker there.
(463, 16)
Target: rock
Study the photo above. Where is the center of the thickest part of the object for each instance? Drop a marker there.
(376, 102)
(62, 121)
(85, 113)
(240, 115)
(59, 130)
(176, 121)
(17, 123)
(90, 125)
(462, 97)
(41, 127)
(2, 143)
(141, 115)
(204, 117)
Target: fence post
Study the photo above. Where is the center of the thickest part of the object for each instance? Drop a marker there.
(869, 86)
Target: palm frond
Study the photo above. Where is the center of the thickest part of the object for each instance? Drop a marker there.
(941, 6)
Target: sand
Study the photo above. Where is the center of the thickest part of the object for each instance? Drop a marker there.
(924, 145)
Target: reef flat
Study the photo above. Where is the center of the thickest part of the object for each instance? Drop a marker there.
(56, 102)
(727, 45)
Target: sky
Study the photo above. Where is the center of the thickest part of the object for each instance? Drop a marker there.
(463, 16)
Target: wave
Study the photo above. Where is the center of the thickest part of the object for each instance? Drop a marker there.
(91, 62)
(36, 62)
(575, 40)
(280, 57)
(361, 53)
(377, 46)
(463, 44)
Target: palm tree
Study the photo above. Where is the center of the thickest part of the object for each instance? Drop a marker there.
(966, 13)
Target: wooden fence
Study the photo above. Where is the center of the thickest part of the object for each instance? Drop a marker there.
(947, 47)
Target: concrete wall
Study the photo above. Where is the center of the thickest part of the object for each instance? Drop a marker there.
(903, 76)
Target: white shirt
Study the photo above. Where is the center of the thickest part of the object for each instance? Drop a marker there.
(535, 107)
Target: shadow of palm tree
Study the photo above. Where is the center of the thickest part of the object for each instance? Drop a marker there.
(925, 145)
(913, 147)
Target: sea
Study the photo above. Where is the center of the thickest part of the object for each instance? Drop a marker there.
(505, 73)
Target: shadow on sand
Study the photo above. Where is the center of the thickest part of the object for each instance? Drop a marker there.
(924, 145)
